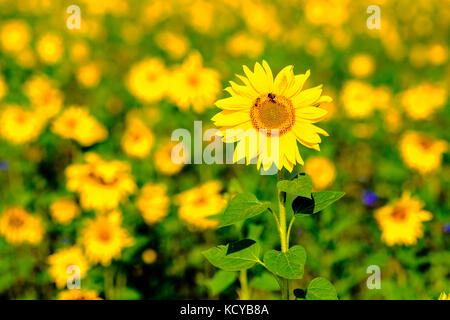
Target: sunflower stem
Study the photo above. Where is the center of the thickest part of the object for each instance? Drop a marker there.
(283, 236)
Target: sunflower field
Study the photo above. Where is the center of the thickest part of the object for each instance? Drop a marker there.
(114, 122)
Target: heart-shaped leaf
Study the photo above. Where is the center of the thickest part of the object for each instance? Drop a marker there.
(300, 186)
(220, 281)
(289, 265)
(236, 256)
(319, 201)
(321, 289)
(241, 207)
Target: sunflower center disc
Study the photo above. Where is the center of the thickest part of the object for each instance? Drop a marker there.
(269, 113)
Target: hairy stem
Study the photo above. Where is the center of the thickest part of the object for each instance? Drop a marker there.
(283, 235)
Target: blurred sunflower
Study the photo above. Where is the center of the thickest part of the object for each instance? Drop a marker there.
(197, 204)
(89, 75)
(262, 105)
(401, 222)
(153, 202)
(44, 96)
(195, 85)
(50, 48)
(147, 80)
(358, 99)
(422, 152)
(18, 125)
(76, 294)
(19, 226)
(14, 36)
(63, 211)
(102, 185)
(104, 239)
(422, 101)
(77, 124)
(60, 262)
(163, 159)
(137, 139)
(321, 170)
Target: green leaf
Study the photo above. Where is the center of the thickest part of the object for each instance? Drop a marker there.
(241, 207)
(128, 294)
(265, 281)
(319, 201)
(220, 281)
(321, 289)
(288, 264)
(236, 256)
(300, 186)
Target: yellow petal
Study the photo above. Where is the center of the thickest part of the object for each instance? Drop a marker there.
(283, 80)
(269, 75)
(307, 97)
(234, 103)
(230, 118)
(311, 113)
(298, 83)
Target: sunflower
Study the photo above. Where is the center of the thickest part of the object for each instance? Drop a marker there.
(163, 159)
(401, 222)
(195, 85)
(271, 109)
(18, 125)
(19, 226)
(197, 204)
(423, 101)
(153, 202)
(137, 139)
(77, 124)
(104, 238)
(422, 152)
(321, 170)
(76, 294)
(44, 96)
(50, 48)
(63, 211)
(62, 260)
(102, 184)
(14, 36)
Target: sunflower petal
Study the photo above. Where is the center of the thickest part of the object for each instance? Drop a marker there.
(307, 97)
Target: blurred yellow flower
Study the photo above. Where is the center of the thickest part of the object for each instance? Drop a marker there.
(104, 239)
(163, 159)
(422, 152)
(14, 36)
(438, 54)
(3, 87)
(76, 294)
(197, 204)
(244, 44)
(64, 210)
(262, 105)
(137, 139)
(195, 85)
(18, 226)
(444, 296)
(89, 75)
(401, 222)
(357, 98)
(77, 124)
(102, 185)
(321, 170)
(422, 101)
(147, 80)
(153, 202)
(50, 48)
(327, 12)
(44, 96)
(361, 65)
(176, 45)
(18, 125)
(61, 261)
(79, 51)
(149, 256)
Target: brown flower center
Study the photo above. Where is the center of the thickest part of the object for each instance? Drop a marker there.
(399, 214)
(270, 112)
(104, 235)
(15, 222)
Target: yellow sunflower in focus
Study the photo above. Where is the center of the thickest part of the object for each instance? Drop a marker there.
(77, 124)
(63, 211)
(104, 238)
(18, 226)
(422, 152)
(62, 260)
(137, 139)
(197, 204)
(18, 125)
(195, 85)
(153, 202)
(147, 80)
(269, 108)
(321, 170)
(76, 294)
(401, 222)
(102, 185)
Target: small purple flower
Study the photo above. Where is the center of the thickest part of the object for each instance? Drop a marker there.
(369, 198)
(446, 227)
(4, 165)
(65, 240)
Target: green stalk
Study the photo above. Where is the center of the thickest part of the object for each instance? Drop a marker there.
(244, 293)
(283, 236)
